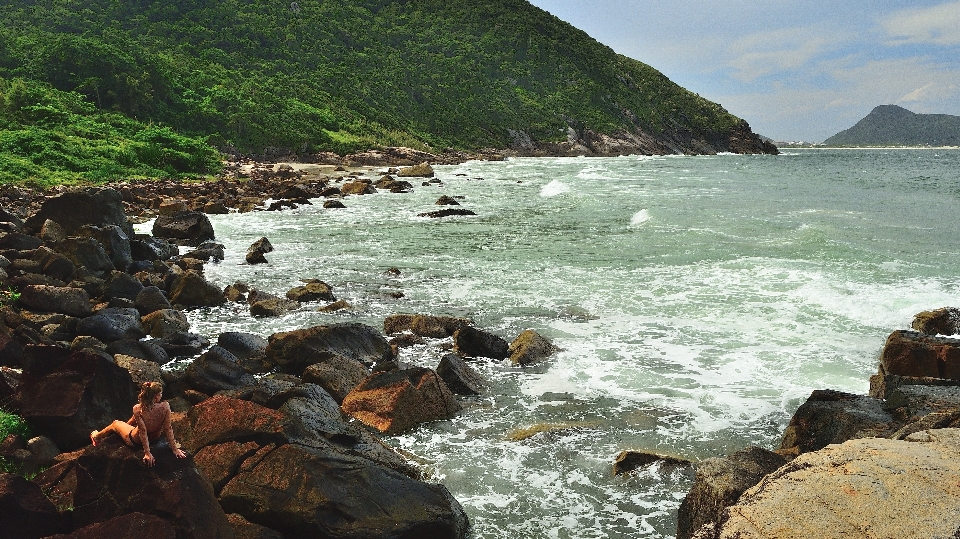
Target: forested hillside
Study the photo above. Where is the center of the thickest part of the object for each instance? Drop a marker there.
(890, 125)
(342, 76)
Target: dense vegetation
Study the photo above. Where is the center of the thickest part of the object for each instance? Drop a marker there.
(890, 125)
(321, 75)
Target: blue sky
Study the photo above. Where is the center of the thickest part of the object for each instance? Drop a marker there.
(796, 70)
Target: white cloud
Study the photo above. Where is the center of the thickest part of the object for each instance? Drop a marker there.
(939, 25)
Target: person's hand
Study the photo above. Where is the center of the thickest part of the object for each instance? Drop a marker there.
(148, 459)
(177, 452)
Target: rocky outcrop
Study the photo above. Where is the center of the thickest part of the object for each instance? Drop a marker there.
(447, 212)
(72, 210)
(256, 251)
(945, 321)
(530, 347)
(437, 327)
(312, 290)
(833, 417)
(909, 353)
(863, 488)
(469, 341)
(395, 401)
(184, 228)
(294, 351)
(458, 376)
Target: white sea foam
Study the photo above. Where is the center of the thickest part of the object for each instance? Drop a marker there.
(640, 217)
(554, 188)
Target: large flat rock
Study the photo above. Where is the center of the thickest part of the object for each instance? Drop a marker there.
(867, 488)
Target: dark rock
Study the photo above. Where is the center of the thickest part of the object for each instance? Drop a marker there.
(115, 242)
(446, 201)
(298, 491)
(357, 187)
(628, 461)
(207, 251)
(11, 351)
(146, 247)
(219, 462)
(192, 290)
(256, 251)
(183, 344)
(272, 307)
(236, 292)
(719, 483)
(108, 481)
(908, 353)
(395, 401)
(150, 299)
(833, 417)
(64, 395)
(165, 322)
(130, 525)
(243, 529)
(52, 233)
(87, 253)
(944, 321)
(446, 212)
(530, 347)
(243, 345)
(184, 228)
(110, 325)
(217, 369)
(313, 290)
(437, 327)
(91, 206)
(56, 299)
(122, 285)
(337, 375)
(222, 419)
(333, 204)
(140, 370)
(43, 450)
(24, 510)
(469, 341)
(294, 350)
(459, 377)
(147, 350)
(19, 241)
(339, 305)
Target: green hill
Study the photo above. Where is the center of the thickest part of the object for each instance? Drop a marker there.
(311, 75)
(890, 125)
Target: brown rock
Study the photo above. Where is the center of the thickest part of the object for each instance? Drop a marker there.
(222, 419)
(945, 321)
(192, 290)
(243, 529)
(437, 327)
(293, 351)
(256, 251)
(165, 322)
(423, 170)
(530, 347)
(833, 417)
(130, 525)
(57, 299)
(272, 307)
(357, 188)
(313, 290)
(337, 375)
(24, 510)
(908, 353)
(395, 401)
(469, 341)
(219, 462)
(140, 370)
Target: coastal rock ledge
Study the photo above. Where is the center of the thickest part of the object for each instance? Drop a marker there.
(864, 488)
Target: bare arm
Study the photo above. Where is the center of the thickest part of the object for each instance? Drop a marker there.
(168, 432)
(142, 434)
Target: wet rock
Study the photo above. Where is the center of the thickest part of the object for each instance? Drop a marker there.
(184, 228)
(183, 344)
(395, 401)
(151, 299)
(437, 327)
(944, 321)
(207, 251)
(423, 170)
(446, 201)
(236, 292)
(459, 377)
(165, 322)
(272, 306)
(24, 510)
(192, 290)
(469, 341)
(908, 353)
(339, 305)
(91, 206)
(293, 351)
(446, 212)
(530, 347)
(256, 251)
(833, 417)
(337, 375)
(57, 299)
(333, 204)
(628, 461)
(110, 325)
(146, 247)
(313, 290)
(108, 481)
(719, 483)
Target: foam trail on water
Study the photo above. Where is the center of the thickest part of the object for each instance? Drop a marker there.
(554, 188)
(640, 217)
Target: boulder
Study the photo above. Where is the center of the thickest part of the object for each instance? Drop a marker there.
(299, 491)
(130, 525)
(112, 324)
(57, 299)
(147, 350)
(313, 290)
(24, 510)
(437, 327)
(833, 417)
(337, 375)
(147, 247)
(190, 289)
(243, 345)
(333, 204)
(395, 401)
(423, 170)
(446, 201)
(108, 481)
(628, 461)
(530, 347)
(140, 370)
(72, 210)
(222, 419)
(718, 484)
(115, 242)
(216, 370)
(151, 299)
(184, 228)
(256, 251)
(459, 377)
(864, 488)
(469, 341)
(219, 462)
(272, 306)
(244, 529)
(43, 450)
(122, 285)
(909, 353)
(165, 322)
(64, 395)
(19, 241)
(357, 188)
(54, 264)
(207, 251)
(293, 351)
(447, 212)
(945, 321)
(87, 253)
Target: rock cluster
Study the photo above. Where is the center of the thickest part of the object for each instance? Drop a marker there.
(92, 310)
(876, 465)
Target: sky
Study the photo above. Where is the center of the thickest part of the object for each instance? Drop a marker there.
(795, 70)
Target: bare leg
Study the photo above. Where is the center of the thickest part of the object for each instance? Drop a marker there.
(120, 428)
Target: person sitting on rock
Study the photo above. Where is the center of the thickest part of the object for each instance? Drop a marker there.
(150, 418)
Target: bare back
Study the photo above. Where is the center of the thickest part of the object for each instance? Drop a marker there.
(156, 419)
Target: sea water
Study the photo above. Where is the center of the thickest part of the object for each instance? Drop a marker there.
(697, 302)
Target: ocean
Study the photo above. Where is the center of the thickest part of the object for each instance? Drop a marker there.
(697, 301)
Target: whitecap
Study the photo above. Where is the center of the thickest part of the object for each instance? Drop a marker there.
(554, 188)
(640, 217)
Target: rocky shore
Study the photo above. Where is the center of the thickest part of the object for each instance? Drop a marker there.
(882, 465)
(282, 431)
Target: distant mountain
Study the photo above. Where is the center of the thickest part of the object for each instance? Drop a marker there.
(890, 125)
